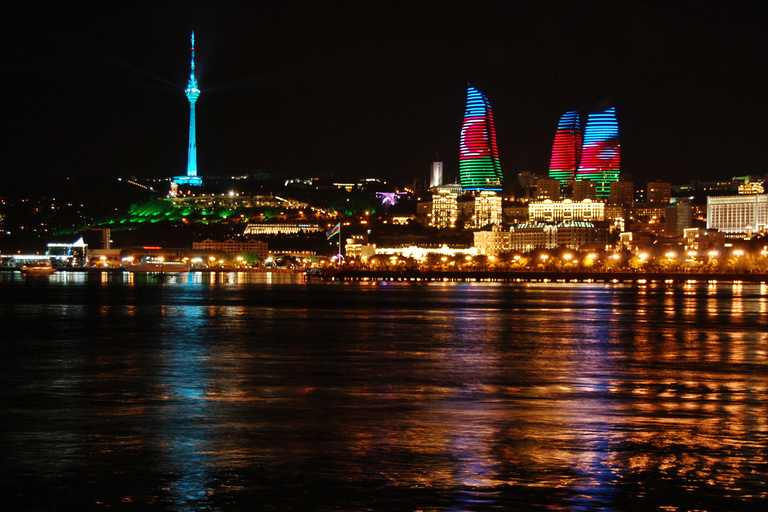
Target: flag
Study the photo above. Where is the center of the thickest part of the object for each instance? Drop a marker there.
(335, 231)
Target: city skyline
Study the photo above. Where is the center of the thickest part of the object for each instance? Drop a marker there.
(304, 90)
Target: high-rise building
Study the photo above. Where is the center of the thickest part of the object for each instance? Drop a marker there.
(584, 189)
(192, 93)
(479, 167)
(622, 193)
(436, 177)
(600, 155)
(566, 151)
(659, 193)
(445, 208)
(547, 188)
(488, 209)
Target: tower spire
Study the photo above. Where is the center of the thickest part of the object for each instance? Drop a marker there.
(192, 93)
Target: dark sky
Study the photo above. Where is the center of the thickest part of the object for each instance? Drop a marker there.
(377, 89)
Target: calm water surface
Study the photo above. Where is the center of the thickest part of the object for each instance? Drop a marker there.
(266, 392)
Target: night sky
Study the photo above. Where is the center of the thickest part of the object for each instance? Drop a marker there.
(364, 89)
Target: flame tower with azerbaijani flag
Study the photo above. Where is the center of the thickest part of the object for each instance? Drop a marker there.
(479, 167)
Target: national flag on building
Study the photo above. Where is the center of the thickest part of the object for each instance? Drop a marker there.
(335, 231)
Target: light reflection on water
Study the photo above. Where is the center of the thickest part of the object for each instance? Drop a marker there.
(253, 391)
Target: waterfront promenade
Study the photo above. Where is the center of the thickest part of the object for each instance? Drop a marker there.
(536, 276)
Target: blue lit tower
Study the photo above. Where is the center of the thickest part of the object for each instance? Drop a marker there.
(192, 93)
(601, 153)
(479, 167)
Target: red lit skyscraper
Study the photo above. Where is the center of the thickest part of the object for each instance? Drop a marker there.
(566, 150)
(479, 167)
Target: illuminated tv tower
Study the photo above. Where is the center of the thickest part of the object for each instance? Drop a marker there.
(192, 93)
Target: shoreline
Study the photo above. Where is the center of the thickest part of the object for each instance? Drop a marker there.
(537, 276)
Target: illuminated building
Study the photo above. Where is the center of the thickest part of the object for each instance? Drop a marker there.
(488, 209)
(277, 228)
(479, 167)
(566, 150)
(528, 236)
(261, 249)
(566, 211)
(493, 242)
(445, 208)
(192, 93)
(436, 177)
(600, 155)
(737, 215)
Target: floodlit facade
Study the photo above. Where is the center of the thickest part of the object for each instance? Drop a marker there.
(261, 249)
(566, 150)
(600, 154)
(479, 167)
(436, 176)
(276, 228)
(566, 211)
(528, 236)
(737, 215)
(445, 208)
(493, 242)
(488, 209)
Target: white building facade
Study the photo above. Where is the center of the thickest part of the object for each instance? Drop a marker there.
(738, 215)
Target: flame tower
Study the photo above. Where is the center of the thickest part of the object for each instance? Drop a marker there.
(566, 151)
(192, 93)
(600, 155)
(479, 167)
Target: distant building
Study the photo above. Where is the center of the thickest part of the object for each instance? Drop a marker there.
(566, 211)
(566, 150)
(192, 92)
(277, 228)
(584, 189)
(622, 193)
(572, 235)
(492, 242)
(261, 249)
(547, 188)
(678, 217)
(658, 193)
(488, 209)
(479, 167)
(600, 154)
(445, 209)
(357, 246)
(737, 215)
(436, 176)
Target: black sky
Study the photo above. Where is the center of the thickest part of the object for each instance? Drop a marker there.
(377, 89)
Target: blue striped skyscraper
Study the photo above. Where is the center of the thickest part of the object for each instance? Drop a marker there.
(479, 167)
(600, 154)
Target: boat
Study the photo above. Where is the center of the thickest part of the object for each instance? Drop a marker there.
(38, 268)
(159, 265)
